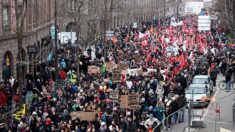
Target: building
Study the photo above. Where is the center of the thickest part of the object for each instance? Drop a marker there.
(97, 16)
(173, 7)
(39, 17)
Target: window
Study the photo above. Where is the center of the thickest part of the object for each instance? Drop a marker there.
(6, 16)
(73, 5)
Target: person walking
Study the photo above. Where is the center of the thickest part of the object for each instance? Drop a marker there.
(228, 80)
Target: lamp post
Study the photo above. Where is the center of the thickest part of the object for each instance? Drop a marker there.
(56, 49)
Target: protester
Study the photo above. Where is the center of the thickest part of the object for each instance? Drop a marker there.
(160, 81)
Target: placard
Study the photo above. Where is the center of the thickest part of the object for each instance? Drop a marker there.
(83, 116)
(124, 101)
(135, 71)
(113, 96)
(93, 69)
(117, 74)
(151, 70)
(110, 66)
(122, 66)
(133, 100)
(204, 23)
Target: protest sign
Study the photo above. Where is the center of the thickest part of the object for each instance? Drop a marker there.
(133, 100)
(110, 66)
(117, 75)
(204, 23)
(83, 116)
(151, 70)
(93, 69)
(113, 96)
(124, 101)
(122, 66)
(20, 112)
(135, 25)
(135, 71)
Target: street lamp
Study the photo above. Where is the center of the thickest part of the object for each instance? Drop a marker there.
(56, 50)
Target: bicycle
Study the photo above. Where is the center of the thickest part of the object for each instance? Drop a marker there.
(223, 85)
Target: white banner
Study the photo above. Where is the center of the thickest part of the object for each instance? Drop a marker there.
(177, 24)
(204, 23)
(151, 70)
(174, 23)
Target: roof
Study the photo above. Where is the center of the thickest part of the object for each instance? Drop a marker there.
(201, 76)
(198, 85)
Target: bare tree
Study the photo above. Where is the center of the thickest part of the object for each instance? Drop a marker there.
(107, 8)
(20, 17)
(227, 14)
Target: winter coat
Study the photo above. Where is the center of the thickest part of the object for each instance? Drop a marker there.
(3, 99)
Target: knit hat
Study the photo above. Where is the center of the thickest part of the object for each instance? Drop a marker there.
(48, 121)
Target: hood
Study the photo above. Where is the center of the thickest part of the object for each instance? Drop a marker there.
(195, 96)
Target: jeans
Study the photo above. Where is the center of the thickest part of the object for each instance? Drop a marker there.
(181, 116)
(228, 86)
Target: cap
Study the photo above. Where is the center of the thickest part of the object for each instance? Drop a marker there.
(48, 121)
(103, 123)
(34, 113)
(150, 108)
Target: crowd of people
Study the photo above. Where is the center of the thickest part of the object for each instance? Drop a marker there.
(161, 91)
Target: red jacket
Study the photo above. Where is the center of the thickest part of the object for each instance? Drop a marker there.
(63, 75)
(3, 99)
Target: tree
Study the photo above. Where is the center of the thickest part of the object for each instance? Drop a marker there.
(227, 14)
(107, 7)
(20, 17)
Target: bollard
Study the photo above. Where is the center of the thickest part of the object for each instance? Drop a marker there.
(189, 116)
(167, 125)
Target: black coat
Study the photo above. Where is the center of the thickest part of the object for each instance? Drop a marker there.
(182, 102)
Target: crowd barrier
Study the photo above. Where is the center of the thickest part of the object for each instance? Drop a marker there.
(172, 119)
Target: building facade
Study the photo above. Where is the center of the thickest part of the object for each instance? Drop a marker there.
(37, 21)
(174, 7)
(101, 15)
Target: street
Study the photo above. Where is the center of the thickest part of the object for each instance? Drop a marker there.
(224, 100)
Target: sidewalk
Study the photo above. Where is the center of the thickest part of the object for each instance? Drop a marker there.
(224, 121)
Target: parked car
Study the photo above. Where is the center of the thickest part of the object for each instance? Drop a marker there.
(198, 94)
(204, 79)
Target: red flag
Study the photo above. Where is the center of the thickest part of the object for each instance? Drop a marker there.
(127, 38)
(114, 39)
(198, 39)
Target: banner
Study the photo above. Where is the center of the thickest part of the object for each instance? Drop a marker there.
(83, 116)
(113, 96)
(135, 71)
(176, 24)
(117, 74)
(151, 70)
(204, 23)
